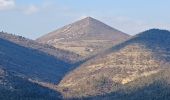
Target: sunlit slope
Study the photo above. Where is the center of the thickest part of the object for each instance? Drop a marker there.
(141, 56)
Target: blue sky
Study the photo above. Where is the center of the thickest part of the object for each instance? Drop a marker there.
(33, 18)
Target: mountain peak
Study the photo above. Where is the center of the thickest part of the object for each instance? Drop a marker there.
(84, 37)
(85, 28)
(89, 18)
(89, 21)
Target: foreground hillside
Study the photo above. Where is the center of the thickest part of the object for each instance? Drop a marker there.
(144, 55)
(85, 37)
(153, 87)
(17, 88)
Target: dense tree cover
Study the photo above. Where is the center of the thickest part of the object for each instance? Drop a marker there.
(17, 88)
(154, 87)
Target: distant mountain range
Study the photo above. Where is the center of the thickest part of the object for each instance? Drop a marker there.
(86, 60)
(85, 37)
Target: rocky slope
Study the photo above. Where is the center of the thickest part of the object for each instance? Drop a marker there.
(143, 55)
(85, 37)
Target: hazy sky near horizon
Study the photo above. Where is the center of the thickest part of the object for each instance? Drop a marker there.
(33, 18)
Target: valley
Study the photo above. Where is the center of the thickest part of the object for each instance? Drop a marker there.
(86, 60)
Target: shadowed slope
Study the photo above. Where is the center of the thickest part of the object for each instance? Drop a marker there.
(66, 56)
(31, 63)
(16, 88)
